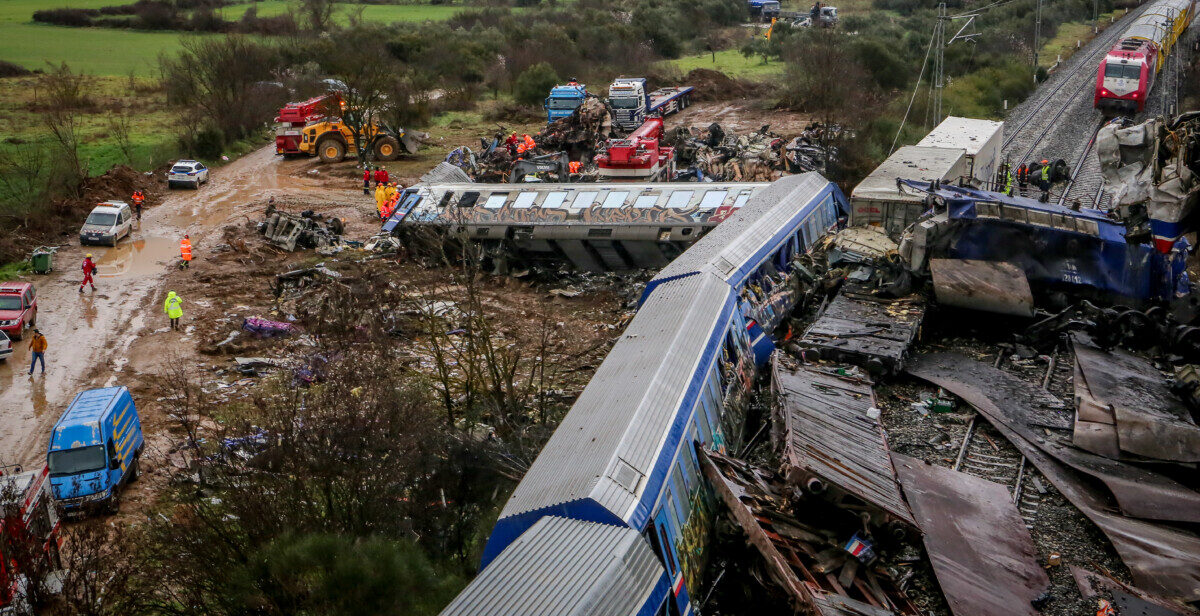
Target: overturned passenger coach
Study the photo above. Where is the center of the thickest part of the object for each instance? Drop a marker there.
(594, 226)
(1080, 253)
(614, 516)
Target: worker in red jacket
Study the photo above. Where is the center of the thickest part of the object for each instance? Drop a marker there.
(89, 268)
(367, 180)
(383, 175)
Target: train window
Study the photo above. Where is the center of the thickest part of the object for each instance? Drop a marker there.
(554, 200)
(681, 493)
(524, 200)
(468, 199)
(713, 199)
(673, 510)
(1039, 218)
(1090, 227)
(1016, 214)
(615, 199)
(705, 431)
(1066, 223)
(679, 199)
(584, 199)
(741, 199)
(496, 201)
(646, 201)
(659, 539)
(446, 198)
(987, 210)
(1118, 70)
(687, 468)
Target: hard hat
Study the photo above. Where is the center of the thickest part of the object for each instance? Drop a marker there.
(89, 255)
(1045, 162)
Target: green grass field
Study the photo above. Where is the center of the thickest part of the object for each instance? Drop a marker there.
(732, 63)
(106, 51)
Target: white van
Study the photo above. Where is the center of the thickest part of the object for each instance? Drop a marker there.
(109, 222)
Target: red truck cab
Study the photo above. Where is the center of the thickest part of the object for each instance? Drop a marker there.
(29, 536)
(18, 308)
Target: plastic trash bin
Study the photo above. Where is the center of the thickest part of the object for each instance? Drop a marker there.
(42, 260)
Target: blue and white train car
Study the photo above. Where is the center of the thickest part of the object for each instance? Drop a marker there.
(625, 456)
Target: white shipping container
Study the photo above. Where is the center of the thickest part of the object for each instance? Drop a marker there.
(980, 139)
(877, 201)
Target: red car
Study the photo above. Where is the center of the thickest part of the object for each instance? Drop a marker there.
(18, 308)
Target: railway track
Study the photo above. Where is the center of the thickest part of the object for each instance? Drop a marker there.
(1086, 183)
(986, 454)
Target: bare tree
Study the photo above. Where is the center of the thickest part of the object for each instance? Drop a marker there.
(368, 74)
(317, 15)
(213, 77)
(62, 94)
(119, 124)
(23, 178)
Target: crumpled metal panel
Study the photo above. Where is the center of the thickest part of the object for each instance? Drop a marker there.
(1128, 601)
(1007, 399)
(828, 434)
(1150, 420)
(981, 551)
(1160, 558)
(989, 286)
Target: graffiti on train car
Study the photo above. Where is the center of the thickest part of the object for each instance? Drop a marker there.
(695, 538)
(595, 214)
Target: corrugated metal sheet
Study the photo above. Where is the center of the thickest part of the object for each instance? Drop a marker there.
(624, 414)
(860, 328)
(981, 551)
(736, 239)
(564, 567)
(829, 604)
(828, 434)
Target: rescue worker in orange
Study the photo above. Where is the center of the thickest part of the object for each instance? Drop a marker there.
(529, 142)
(138, 198)
(185, 251)
(574, 166)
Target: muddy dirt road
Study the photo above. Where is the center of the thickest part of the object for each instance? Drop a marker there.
(91, 335)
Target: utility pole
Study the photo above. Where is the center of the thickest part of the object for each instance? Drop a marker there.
(939, 58)
(1095, 16)
(1037, 37)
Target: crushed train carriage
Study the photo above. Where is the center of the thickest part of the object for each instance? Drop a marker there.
(624, 457)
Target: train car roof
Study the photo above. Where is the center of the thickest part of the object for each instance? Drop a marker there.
(608, 459)
(670, 202)
(739, 244)
(912, 162)
(1152, 24)
(970, 134)
(565, 567)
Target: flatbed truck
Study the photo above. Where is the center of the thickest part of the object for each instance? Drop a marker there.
(632, 101)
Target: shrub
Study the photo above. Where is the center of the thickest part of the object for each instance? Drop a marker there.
(534, 83)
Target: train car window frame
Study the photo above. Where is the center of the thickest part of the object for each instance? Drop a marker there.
(680, 199)
(741, 199)
(554, 200)
(496, 200)
(645, 202)
(469, 199)
(615, 199)
(524, 200)
(703, 424)
(584, 199)
(447, 197)
(679, 488)
(713, 199)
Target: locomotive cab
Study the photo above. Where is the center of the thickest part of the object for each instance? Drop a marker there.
(1125, 77)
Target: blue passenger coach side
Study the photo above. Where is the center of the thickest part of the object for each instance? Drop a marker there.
(625, 456)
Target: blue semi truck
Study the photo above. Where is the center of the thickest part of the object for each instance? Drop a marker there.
(95, 449)
(563, 100)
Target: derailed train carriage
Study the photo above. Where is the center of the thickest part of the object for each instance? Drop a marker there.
(614, 516)
(599, 226)
(1062, 252)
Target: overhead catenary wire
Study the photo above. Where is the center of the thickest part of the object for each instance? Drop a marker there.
(916, 89)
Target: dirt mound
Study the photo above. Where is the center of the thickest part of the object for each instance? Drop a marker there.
(717, 86)
(117, 183)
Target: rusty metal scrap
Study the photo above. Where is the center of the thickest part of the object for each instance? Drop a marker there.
(804, 560)
(1161, 559)
(1125, 402)
(1004, 398)
(1126, 599)
(982, 285)
(981, 552)
(866, 330)
(831, 446)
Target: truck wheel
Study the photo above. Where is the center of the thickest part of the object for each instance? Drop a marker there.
(387, 148)
(136, 471)
(331, 150)
(114, 504)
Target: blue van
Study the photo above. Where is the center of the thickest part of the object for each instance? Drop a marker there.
(94, 450)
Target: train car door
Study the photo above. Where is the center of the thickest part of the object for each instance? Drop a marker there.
(663, 539)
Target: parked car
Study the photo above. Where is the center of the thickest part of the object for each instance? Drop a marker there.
(95, 449)
(6, 349)
(187, 172)
(18, 308)
(108, 223)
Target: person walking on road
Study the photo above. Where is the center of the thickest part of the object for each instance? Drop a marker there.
(185, 251)
(174, 309)
(138, 198)
(89, 268)
(38, 347)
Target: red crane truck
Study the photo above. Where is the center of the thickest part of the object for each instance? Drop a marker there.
(292, 119)
(639, 157)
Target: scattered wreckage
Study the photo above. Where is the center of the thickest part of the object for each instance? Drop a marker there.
(307, 229)
(1150, 170)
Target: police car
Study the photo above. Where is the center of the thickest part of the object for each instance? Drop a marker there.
(186, 172)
